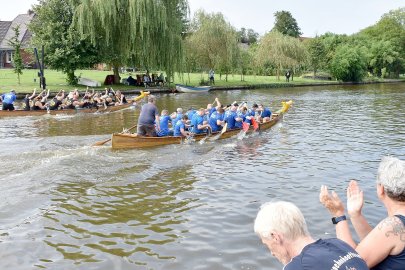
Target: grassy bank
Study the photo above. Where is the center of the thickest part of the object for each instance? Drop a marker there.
(57, 80)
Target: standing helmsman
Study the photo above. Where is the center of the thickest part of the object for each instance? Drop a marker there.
(8, 100)
(148, 118)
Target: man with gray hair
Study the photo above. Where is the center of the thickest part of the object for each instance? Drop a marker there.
(148, 117)
(282, 228)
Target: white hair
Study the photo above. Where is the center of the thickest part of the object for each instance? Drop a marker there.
(283, 217)
(179, 110)
(391, 175)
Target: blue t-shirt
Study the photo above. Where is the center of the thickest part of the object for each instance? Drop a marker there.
(177, 128)
(265, 113)
(148, 113)
(239, 124)
(328, 254)
(215, 116)
(197, 120)
(231, 119)
(190, 114)
(213, 109)
(393, 262)
(249, 113)
(164, 125)
(8, 98)
(178, 117)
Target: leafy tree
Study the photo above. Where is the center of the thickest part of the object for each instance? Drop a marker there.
(316, 54)
(396, 14)
(145, 30)
(64, 49)
(17, 60)
(281, 51)
(388, 35)
(286, 24)
(248, 36)
(213, 42)
(349, 63)
(331, 42)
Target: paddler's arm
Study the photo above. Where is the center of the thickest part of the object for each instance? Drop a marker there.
(157, 120)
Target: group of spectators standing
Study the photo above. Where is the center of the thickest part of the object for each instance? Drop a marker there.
(282, 228)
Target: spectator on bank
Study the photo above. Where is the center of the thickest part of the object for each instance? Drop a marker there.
(382, 247)
(282, 228)
(211, 76)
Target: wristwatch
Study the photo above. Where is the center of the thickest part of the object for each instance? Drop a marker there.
(336, 220)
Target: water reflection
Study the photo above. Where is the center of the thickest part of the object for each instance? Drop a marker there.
(122, 220)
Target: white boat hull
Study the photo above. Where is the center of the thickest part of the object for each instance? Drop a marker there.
(192, 89)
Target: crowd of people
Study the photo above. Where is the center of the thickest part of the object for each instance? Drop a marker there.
(282, 228)
(213, 118)
(62, 100)
(145, 80)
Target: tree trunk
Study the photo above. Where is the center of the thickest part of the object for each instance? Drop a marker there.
(226, 77)
(71, 78)
(116, 74)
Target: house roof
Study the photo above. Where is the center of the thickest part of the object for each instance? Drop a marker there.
(7, 32)
(4, 26)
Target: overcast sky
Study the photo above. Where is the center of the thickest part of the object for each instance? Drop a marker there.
(313, 16)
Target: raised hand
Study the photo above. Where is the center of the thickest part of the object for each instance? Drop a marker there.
(355, 199)
(331, 201)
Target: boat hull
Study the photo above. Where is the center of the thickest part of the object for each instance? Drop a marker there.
(130, 141)
(190, 89)
(19, 113)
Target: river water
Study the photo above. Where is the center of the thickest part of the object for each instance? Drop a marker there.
(67, 205)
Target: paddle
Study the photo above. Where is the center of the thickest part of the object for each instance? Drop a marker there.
(216, 137)
(100, 143)
(254, 124)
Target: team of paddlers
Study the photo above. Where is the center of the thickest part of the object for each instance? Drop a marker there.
(210, 119)
(72, 100)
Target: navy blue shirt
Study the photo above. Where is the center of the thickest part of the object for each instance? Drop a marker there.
(393, 262)
(329, 254)
(148, 113)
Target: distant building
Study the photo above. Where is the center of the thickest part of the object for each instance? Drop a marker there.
(7, 32)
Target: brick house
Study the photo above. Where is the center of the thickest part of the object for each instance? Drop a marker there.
(7, 32)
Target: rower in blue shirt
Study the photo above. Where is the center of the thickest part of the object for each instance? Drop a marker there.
(264, 114)
(164, 124)
(8, 101)
(217, 120)
(198, 124)
(180, 127)
(177, 116)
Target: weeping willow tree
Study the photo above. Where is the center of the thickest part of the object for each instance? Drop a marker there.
(145, 32)
(213, 41)
(281, 51)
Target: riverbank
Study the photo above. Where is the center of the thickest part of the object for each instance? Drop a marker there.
(168, 90)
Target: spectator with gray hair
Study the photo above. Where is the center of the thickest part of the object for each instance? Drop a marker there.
(282, 228)
(382, 247)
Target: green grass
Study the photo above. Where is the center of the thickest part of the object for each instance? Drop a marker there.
(57, 80)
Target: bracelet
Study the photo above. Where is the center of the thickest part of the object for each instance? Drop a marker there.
(336, 220)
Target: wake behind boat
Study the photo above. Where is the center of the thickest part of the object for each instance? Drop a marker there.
(192, 89)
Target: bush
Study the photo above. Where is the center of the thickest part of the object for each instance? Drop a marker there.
(349, 64)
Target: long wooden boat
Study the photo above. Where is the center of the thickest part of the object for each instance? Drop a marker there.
(17, 113)
(127, 141)
(108, 109)
(192, 89)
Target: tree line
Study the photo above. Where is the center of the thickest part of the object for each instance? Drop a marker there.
(159, 35)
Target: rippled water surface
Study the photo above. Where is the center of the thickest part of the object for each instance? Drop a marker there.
(67, 205)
